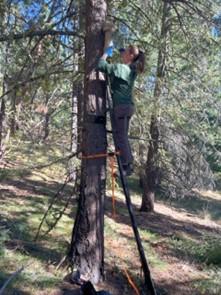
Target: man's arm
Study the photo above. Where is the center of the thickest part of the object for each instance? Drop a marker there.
(104, 66)
(104, 56)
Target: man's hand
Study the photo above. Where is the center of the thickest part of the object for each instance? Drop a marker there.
(109, 50)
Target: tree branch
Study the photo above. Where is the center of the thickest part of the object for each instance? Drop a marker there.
(39, 33)
(33, 79)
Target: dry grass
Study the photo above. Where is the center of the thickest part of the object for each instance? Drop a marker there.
(177, 237)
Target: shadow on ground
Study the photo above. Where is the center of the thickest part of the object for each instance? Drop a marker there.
(159, 223)
(194, 203)
(164, 225)
(19, 194)
(38, 187)
(189, 233)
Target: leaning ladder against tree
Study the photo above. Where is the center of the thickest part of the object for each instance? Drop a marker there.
(149, 286)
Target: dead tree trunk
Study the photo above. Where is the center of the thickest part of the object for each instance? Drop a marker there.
(151, 176)
(87, 246)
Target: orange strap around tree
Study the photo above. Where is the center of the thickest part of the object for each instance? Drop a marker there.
(101, 155)
(95, 156)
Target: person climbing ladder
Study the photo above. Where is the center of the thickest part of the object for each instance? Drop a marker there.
(122, 77)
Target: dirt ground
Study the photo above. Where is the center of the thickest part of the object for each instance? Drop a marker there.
(178, 273)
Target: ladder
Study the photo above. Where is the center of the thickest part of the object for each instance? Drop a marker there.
(148, 283)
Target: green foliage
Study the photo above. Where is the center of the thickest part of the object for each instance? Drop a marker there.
(210, 285)
(214, 253)
(9, 173)
(207, 250)
(4, 236)
(187, 105)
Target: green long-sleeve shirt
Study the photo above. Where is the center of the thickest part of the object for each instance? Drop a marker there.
(122, 79)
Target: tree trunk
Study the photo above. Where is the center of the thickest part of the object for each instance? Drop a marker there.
(151, 176)
(87, 246)
(77, 94)
(13, 113)
(2, 114)
(74, 118)
(46, 126)
(76, 126)
(47, 116)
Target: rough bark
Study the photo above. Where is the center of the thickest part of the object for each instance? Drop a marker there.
(151, 176)
(87, 247)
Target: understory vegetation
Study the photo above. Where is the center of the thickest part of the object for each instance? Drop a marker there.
(181, 239)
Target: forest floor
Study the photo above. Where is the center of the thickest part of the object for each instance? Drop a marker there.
(181, 238)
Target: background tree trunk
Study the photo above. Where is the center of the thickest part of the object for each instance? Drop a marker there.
(2, 114)
(87, 246)
(46, 125)
(13, 113)
(76, 126)
(74, 117)
(47, 114)
(151, 176)
(77, 103)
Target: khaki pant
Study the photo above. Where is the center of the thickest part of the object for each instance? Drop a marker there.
(122, 116)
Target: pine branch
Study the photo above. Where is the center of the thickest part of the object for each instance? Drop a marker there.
(38, 33)
(33, 79)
